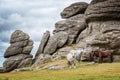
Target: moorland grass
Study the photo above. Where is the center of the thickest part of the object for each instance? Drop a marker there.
(105, 71)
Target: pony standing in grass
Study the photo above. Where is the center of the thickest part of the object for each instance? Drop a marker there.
(101, 54)
(75, 55)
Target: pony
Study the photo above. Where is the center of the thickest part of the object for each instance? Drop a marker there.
(101, 54)
(74, 55)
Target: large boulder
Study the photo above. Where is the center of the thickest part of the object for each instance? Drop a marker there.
(11, 51)
(56, 41)
(103, 10)
(74, 9)
(20, 44)
(43, 43)
(18, 53)
(62, 38)
(18, 36)
(51, 46)
(73, 26)
(15, 62)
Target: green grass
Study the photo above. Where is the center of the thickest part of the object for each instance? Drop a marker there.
(105, 71)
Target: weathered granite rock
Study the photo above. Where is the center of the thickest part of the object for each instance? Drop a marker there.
(14, 62)
(42, 58)
(103, 10)
(11, 51)
(27, 49)
(18, 53)
(96, 1)
(51, 45)
(63, 51)
(116, 58)
(18, 36)
(62, 38)
(43, 43)
(56, 67)
(22, 69)
(51, 66)
(74, 9)
(56, 41)
(72, 26)
(103, 35)
(103, 31)
(2, 70)
(25, 63)
(20, 44)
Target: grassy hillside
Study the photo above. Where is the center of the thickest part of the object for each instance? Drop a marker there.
(105, 71)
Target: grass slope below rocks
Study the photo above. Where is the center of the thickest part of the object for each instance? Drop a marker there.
(105, 71)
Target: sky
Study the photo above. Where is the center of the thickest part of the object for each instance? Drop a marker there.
(34, 17)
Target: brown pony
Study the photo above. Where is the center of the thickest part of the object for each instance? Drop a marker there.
(101, 54)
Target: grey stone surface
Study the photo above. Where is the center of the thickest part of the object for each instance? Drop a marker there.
(51, 46)
(22, 69)
(2, 70)
(102, 35)
(62, 38)
(18, 35)
(43, 43)
(103, 10)
(18, 53)
(52, 66)
(11, 51)
(27, 50)
(14, 62)
(63, 51)
(72, 26)
(74, 9)
(42, 58)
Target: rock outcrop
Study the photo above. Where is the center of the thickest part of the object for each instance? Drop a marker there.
(93, 26)
(74, 9)
(18, 53)
(103, 31)
(66, 31)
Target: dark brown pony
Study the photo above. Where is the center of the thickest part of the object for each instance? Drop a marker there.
(101, 54)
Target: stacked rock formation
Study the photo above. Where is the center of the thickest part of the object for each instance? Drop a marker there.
(18, 53)
(103, 31)
(66, 31)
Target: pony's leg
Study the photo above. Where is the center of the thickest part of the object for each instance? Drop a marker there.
(111, 58)
(74, 64)
(79, 59)
(100, 59)
(69, 64)
(91, 57)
